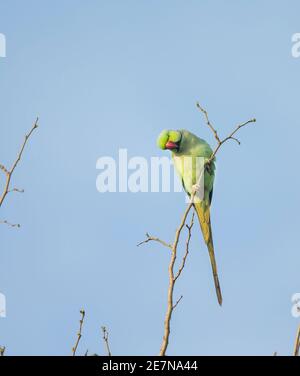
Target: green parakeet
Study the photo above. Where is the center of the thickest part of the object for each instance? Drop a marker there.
(186, 148)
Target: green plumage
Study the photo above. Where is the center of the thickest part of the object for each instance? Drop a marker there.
(189, 154)
(193, 146)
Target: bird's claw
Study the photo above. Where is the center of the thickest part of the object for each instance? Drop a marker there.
(196, 188)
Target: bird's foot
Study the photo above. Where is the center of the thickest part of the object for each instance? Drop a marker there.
(197, 191)
(196, 188)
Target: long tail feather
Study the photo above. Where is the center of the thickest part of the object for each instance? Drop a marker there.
(215, 272)
(203, 213)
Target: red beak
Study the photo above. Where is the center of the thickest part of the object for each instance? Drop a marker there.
(171, 145)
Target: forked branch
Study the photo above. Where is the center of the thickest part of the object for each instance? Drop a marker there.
(173, 276)
(229, 137)
(9, 172)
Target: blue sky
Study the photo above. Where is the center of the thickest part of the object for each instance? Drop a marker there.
(104, 75)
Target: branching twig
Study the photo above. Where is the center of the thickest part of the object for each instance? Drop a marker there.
(79, 334)
(189, 227)
(154, 239)
(9, 172)
(105, 339)
(219, 141)
(173, 279)
(297, 343)
(172, 276)
(209, 123)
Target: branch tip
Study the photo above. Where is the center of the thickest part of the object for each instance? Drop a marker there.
(79, 334)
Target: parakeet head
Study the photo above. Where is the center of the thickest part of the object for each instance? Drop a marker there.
(170, 140)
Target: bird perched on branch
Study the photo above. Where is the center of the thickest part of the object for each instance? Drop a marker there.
(196, 169)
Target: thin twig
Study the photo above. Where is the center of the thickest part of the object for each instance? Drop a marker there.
(219, 141)
(189, 227)
(105, 339)
(10, 224)
(16, 190)
(152, 238)
(2, 350)
(79, 334)
(3, 169)
(208, 122)
(9, 172)
(297, 343)
(177, 302)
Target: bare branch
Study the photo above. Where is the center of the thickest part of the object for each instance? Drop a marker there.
(208, 122)
(9, 172)
(4, 169)
(16, 190)
(154, 239)
(10, 224)
(79, 334)
(27, 136)
(219, 141)
(2, 350)
(297, 343)
(172, 279)
(105, 339)
(189, 227)
(177, 302)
